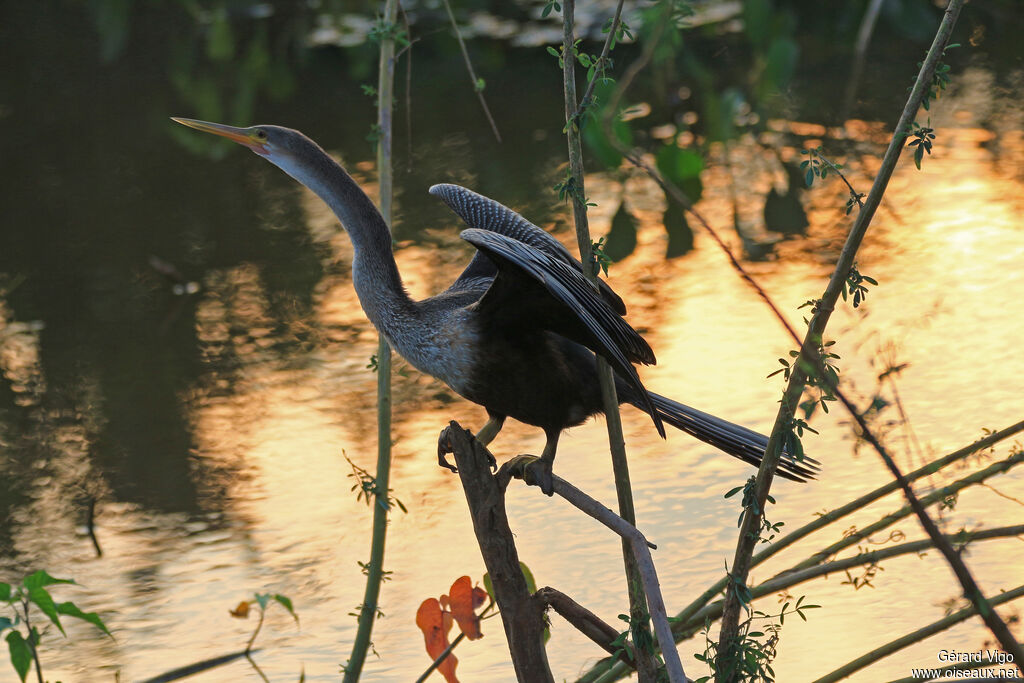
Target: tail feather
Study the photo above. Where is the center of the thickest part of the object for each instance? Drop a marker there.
(737, 441)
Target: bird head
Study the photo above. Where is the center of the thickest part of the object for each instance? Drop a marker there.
(264, 140)
(288, 149)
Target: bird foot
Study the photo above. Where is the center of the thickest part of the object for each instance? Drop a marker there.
(444, 447)
(531, 469)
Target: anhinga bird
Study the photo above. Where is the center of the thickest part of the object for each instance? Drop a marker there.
(517, 331)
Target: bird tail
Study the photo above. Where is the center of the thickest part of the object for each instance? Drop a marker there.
(737, 441)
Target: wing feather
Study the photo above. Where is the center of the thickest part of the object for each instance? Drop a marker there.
(482, 213)
(567, 305)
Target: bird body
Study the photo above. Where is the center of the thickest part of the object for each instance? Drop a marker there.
(518, 329)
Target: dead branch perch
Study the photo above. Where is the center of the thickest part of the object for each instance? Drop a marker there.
(522, 615)
(645, 563)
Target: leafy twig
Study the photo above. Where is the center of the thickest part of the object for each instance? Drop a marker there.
(478, 83)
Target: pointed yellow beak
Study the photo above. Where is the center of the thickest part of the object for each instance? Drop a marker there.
(243, 136)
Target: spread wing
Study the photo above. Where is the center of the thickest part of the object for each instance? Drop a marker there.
(482, 213)
(537, 288)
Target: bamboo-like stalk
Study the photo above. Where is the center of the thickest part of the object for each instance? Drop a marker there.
(749, 529)
(920, 634)
(646, 662)
(381, 506)
(694, 622)
(861, 502)
(692, 618)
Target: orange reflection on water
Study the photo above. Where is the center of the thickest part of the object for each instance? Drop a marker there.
(948, 301)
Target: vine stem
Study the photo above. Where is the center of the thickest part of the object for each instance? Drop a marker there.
(381, 506)
(472, 74)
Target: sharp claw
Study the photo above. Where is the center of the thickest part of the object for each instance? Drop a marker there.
(444, 447)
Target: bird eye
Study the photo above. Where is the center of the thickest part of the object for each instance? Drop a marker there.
(261, 134)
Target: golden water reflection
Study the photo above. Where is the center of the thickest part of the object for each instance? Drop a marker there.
(280, 406)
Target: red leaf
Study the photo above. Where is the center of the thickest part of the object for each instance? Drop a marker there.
(464, 599)
(240, 612)
(435, 625)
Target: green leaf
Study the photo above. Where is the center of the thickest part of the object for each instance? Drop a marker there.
(42, 599)
(489, 586)
(531, 584)
(553, 52)
(262, 599)
(683, 168)
(286, 602)
(21, 653)
(918, 155)
(621, 239)
(809, 177)
(5, 623)
(41, 578)
(5, 591)
(71, 609)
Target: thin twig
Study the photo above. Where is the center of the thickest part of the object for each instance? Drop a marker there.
(472, 76)
(256, 632)
(440, 658)
(408, 88)
(649, 576)
(602, 61)
(646, 663)
(970, 587)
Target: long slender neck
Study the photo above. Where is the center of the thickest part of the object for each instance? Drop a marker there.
(374, 271)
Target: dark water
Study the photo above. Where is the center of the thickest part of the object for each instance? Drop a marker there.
(210, 425)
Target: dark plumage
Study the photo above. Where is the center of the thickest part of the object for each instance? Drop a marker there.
(517, 331)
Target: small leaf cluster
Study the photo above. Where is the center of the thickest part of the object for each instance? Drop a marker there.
(366, 488)
(816, 165)
(922, 142)
(864, 580)
(551, 5)
(643, 641)
(601, 259)
(754, 650)
(570, 187)
(383, 30)
(940, 79)
(768, 530)
(855, 199)
(621, 33)
(20, 599)
(855, 286)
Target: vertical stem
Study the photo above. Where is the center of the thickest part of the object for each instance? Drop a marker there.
(381, 507)
(256, 632)
(646, 664)
(32, 645)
